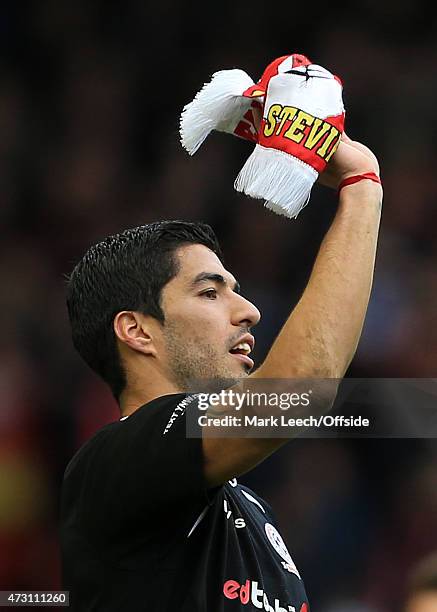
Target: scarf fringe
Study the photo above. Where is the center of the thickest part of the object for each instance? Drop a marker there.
(283, 181)
(219, 105)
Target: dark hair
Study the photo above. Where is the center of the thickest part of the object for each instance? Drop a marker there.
(126, 271)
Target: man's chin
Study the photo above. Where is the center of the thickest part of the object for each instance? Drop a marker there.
(245, 370)
(219, 381)
(212, 385)
(243, 362)
(218, 378)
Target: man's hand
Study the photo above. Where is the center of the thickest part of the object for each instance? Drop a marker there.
(350, 159)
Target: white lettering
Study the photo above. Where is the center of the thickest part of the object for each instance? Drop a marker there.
(256, 592)
(252, 499)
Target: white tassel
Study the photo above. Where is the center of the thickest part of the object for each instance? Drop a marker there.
(219, 105)
(283, 181)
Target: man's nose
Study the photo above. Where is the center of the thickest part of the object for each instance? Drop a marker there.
(245, 313)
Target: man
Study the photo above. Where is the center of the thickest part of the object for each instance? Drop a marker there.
(155, 520)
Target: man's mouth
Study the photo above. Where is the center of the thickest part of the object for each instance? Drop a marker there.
(242, 350)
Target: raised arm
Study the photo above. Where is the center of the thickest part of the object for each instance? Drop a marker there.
(321, 334)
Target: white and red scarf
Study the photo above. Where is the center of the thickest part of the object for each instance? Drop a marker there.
(302, 122)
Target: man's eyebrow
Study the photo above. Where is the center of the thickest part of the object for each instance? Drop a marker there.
(216, 278)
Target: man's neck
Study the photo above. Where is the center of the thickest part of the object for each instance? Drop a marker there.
(133, 398)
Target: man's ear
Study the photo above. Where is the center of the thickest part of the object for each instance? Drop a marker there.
(133, 329)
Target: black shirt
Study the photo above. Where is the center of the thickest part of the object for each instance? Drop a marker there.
(141, 531)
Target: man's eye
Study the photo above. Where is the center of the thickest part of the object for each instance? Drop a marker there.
(211, 294)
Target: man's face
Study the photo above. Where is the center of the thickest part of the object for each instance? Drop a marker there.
(205, 320)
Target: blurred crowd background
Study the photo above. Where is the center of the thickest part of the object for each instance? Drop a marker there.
(90, 96)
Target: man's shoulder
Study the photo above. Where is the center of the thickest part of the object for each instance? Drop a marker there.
(163, 415)
(159, 416)
(90, 446)
(180, 403)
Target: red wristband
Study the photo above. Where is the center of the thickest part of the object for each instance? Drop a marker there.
(359, 177)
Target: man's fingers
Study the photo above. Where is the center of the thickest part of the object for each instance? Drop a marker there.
(360, 147)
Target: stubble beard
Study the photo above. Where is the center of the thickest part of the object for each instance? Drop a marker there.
(197, 366)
